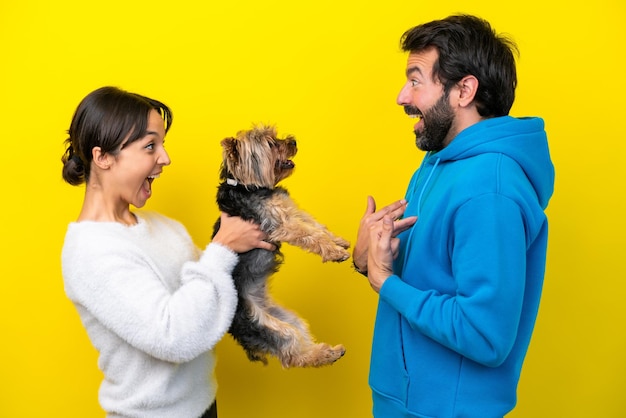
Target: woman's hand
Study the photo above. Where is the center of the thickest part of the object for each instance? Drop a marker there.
(240, 236)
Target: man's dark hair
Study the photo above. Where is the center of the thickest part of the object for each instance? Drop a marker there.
(467, 45)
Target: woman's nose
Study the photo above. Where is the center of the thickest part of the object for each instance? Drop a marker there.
(164, 158)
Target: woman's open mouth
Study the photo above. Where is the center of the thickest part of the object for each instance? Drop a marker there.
(147, 184)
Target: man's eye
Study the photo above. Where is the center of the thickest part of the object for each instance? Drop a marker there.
(414, 83)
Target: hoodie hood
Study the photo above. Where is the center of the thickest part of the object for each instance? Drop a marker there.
(522, 139)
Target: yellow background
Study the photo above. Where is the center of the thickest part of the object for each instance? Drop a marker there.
(327, 72)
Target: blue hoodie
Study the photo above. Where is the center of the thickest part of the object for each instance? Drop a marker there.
(455, 320)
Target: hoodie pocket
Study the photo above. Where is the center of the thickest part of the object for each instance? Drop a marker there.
(388, 374)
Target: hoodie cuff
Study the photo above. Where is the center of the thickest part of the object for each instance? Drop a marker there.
(395, 291)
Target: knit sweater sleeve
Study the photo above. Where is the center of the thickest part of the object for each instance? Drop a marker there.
(148, 289)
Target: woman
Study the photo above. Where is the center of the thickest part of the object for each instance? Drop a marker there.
(154, 305)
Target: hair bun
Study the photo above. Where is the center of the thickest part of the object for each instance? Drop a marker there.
(77, 160)
(73, 167)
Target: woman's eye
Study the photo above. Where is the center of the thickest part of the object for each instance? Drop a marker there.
(150, 146)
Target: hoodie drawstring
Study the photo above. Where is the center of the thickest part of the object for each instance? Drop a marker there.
(419, 199)
(419, 210)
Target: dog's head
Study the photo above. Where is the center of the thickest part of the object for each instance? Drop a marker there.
(257, 157)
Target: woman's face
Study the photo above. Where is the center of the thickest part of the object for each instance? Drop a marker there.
(137, 164)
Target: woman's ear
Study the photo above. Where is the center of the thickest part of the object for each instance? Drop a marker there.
(101, 159)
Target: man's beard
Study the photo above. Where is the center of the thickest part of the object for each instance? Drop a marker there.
(437, 123)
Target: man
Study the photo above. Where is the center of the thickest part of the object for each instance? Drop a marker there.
(459, 277)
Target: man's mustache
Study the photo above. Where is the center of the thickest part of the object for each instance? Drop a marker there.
(412, 110)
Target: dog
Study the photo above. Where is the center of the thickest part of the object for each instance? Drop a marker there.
(254, 162)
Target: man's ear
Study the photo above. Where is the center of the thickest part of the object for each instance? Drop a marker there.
(468, 86)
(101, 159)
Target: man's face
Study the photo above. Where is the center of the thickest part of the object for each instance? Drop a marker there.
(425, 98)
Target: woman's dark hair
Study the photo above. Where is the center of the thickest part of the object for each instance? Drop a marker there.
(107, 118)
(467, 45)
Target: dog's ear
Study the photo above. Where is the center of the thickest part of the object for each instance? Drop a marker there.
(229, 145)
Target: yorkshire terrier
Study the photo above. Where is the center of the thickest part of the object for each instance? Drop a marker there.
(253, 164)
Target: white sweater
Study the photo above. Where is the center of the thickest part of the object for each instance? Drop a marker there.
(154, 307)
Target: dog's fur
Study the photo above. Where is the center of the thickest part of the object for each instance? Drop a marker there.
(253, 163)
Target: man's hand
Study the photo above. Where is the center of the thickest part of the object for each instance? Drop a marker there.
(380, 256)
(372, 217)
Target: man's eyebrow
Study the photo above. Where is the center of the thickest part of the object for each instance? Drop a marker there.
(414, 69)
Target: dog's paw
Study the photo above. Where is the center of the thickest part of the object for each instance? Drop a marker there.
(337, 254)
(316, 355)
(341, 242)
(328, 355)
